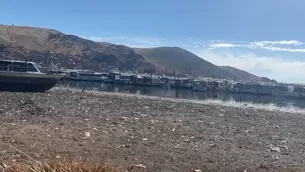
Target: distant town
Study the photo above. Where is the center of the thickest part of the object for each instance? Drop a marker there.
(203, 84)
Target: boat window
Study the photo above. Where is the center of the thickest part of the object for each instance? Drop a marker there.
(5, 66)
(19, 67)
(86, 74)
(73, 74)
(31, 68)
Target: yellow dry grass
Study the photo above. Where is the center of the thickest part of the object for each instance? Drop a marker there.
(29, 164)
(57, 166)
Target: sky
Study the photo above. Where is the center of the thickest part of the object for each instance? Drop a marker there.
(264, 37)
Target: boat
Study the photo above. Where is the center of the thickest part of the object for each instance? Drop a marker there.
(84, 75)
(23, 76)
(200, 86)
(252, 88)
(296, 92)
(184, 83)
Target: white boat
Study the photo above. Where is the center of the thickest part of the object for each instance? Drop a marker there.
(84, 75)
(23, 76)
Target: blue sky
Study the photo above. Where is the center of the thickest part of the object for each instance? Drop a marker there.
(265, 37)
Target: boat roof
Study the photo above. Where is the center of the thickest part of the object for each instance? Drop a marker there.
(79, 70)
(18, 61)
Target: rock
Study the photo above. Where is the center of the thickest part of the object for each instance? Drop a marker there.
(123, 118)
(145, 139)
(139, 165)
(121, 146)
(274, 149)
(87, 135)
(284, 147)
(187, 140)
(4, 165)
(250, 131)
(213, 145)
(198, 170)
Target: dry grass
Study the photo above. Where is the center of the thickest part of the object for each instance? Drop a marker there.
(29, 164)
(58, 166)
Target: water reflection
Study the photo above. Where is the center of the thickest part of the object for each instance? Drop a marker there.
(186, 94)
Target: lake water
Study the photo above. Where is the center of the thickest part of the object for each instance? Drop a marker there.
(187, 94)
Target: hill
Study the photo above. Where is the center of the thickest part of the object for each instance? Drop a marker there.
(182, 62)
(240, 74)
(48, 46)
(246, 76)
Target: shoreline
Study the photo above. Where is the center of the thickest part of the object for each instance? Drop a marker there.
(162, 135)
(259, 106)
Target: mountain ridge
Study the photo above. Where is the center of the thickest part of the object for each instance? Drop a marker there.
(176, 58)
(240, 74)
(49, 46)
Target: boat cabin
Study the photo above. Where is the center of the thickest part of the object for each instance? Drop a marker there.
(18, 66)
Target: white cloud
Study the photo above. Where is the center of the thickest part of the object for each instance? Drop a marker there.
(278, 68)
(266, 45)
(295, 50)
(283, 42)
(225, 45)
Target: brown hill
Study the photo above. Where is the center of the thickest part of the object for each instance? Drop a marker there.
(53, 47)
(48, 47)
(181, 61)
(245, 76)
(240, 74)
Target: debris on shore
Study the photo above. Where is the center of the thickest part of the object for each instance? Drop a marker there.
(145, 132)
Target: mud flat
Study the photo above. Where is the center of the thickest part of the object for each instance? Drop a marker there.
(152, 134)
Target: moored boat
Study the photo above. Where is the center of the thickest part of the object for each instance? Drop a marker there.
(22, 76)
(200, 86)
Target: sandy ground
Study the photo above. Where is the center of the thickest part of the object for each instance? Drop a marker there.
(161, 135)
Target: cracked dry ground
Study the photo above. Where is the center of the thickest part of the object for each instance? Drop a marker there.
(162, 135)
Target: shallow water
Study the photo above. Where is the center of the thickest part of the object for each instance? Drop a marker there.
(236, 99)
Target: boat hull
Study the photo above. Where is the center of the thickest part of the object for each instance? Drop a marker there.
(20, 82)
(200, 88)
